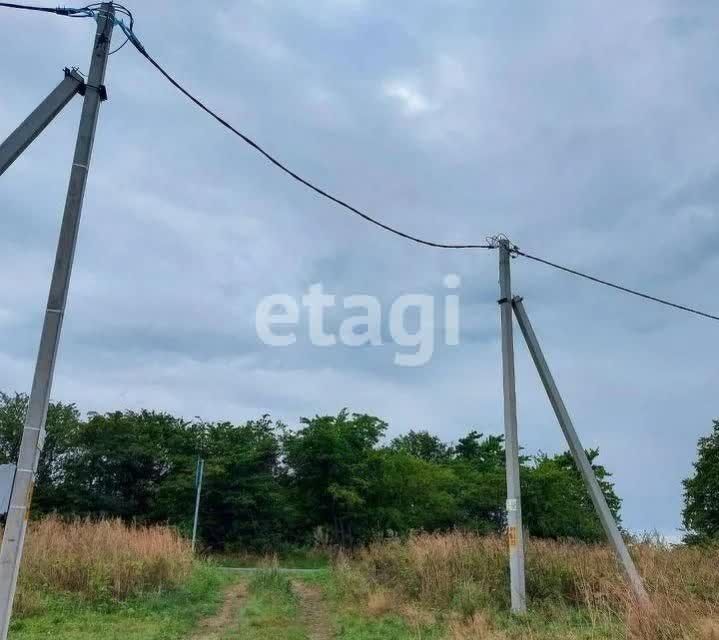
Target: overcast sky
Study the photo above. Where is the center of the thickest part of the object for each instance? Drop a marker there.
(586, 131)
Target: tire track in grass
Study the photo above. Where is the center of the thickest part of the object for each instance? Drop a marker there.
(314, 612)
(215, 626)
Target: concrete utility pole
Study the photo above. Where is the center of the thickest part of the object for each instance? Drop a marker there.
(34, 429)
(515, 532)
(199, 473)
(35, 123)
(580, 456)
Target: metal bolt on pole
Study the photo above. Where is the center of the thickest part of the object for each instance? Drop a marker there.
(199, 472)
(515, 532)
(580, 457)
(34, 428)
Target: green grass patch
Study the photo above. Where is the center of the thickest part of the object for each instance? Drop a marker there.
(538, 625)
(272, 611)
(353, 626)
(272, 584)
(558, 622)
(168, 615)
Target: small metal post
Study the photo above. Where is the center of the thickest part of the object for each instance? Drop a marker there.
(33, 436)
(515, 532)
(199, 472)
(35, 123)
(580, 457)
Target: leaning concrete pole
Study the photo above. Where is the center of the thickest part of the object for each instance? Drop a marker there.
(515, 532)
(580, 457)
(34, 429)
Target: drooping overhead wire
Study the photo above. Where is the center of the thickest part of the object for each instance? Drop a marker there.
(283, 167)
(492, 243)
(94, 9)
(614, 285)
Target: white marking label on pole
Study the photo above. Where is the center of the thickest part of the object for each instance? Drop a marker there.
(512, 504)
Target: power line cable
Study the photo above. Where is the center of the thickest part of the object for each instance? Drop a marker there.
(283, 167)
(10, 5)
(129, 33)
(613, 285)
(94, 9)
(83, 12)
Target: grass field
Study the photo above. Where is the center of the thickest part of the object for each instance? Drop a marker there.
(221, 605)
(574, 590)
(169, 615)
(105, 580)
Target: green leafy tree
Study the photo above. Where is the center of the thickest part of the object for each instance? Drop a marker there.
(120, 462)
(266, 486)
(701, 492)
(245, 497)
(556, 503)
(482, 453)
(62, 427)
(481, 493)
(331, 461)
(423, 445)
(408, 493)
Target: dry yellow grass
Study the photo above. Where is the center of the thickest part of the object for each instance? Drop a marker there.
(708, 629)
(476, 627)
(467, 574)
(380, 603)
(101, 559)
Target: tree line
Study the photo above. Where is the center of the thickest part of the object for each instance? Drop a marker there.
(701, 492)
(332, 479)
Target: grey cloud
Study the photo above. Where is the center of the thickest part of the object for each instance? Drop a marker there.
(585, 132)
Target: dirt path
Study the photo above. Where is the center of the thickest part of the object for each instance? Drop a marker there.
(314, 611)
(213, 627)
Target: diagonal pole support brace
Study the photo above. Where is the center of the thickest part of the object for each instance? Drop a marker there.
(609, 525)
(43, 115)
